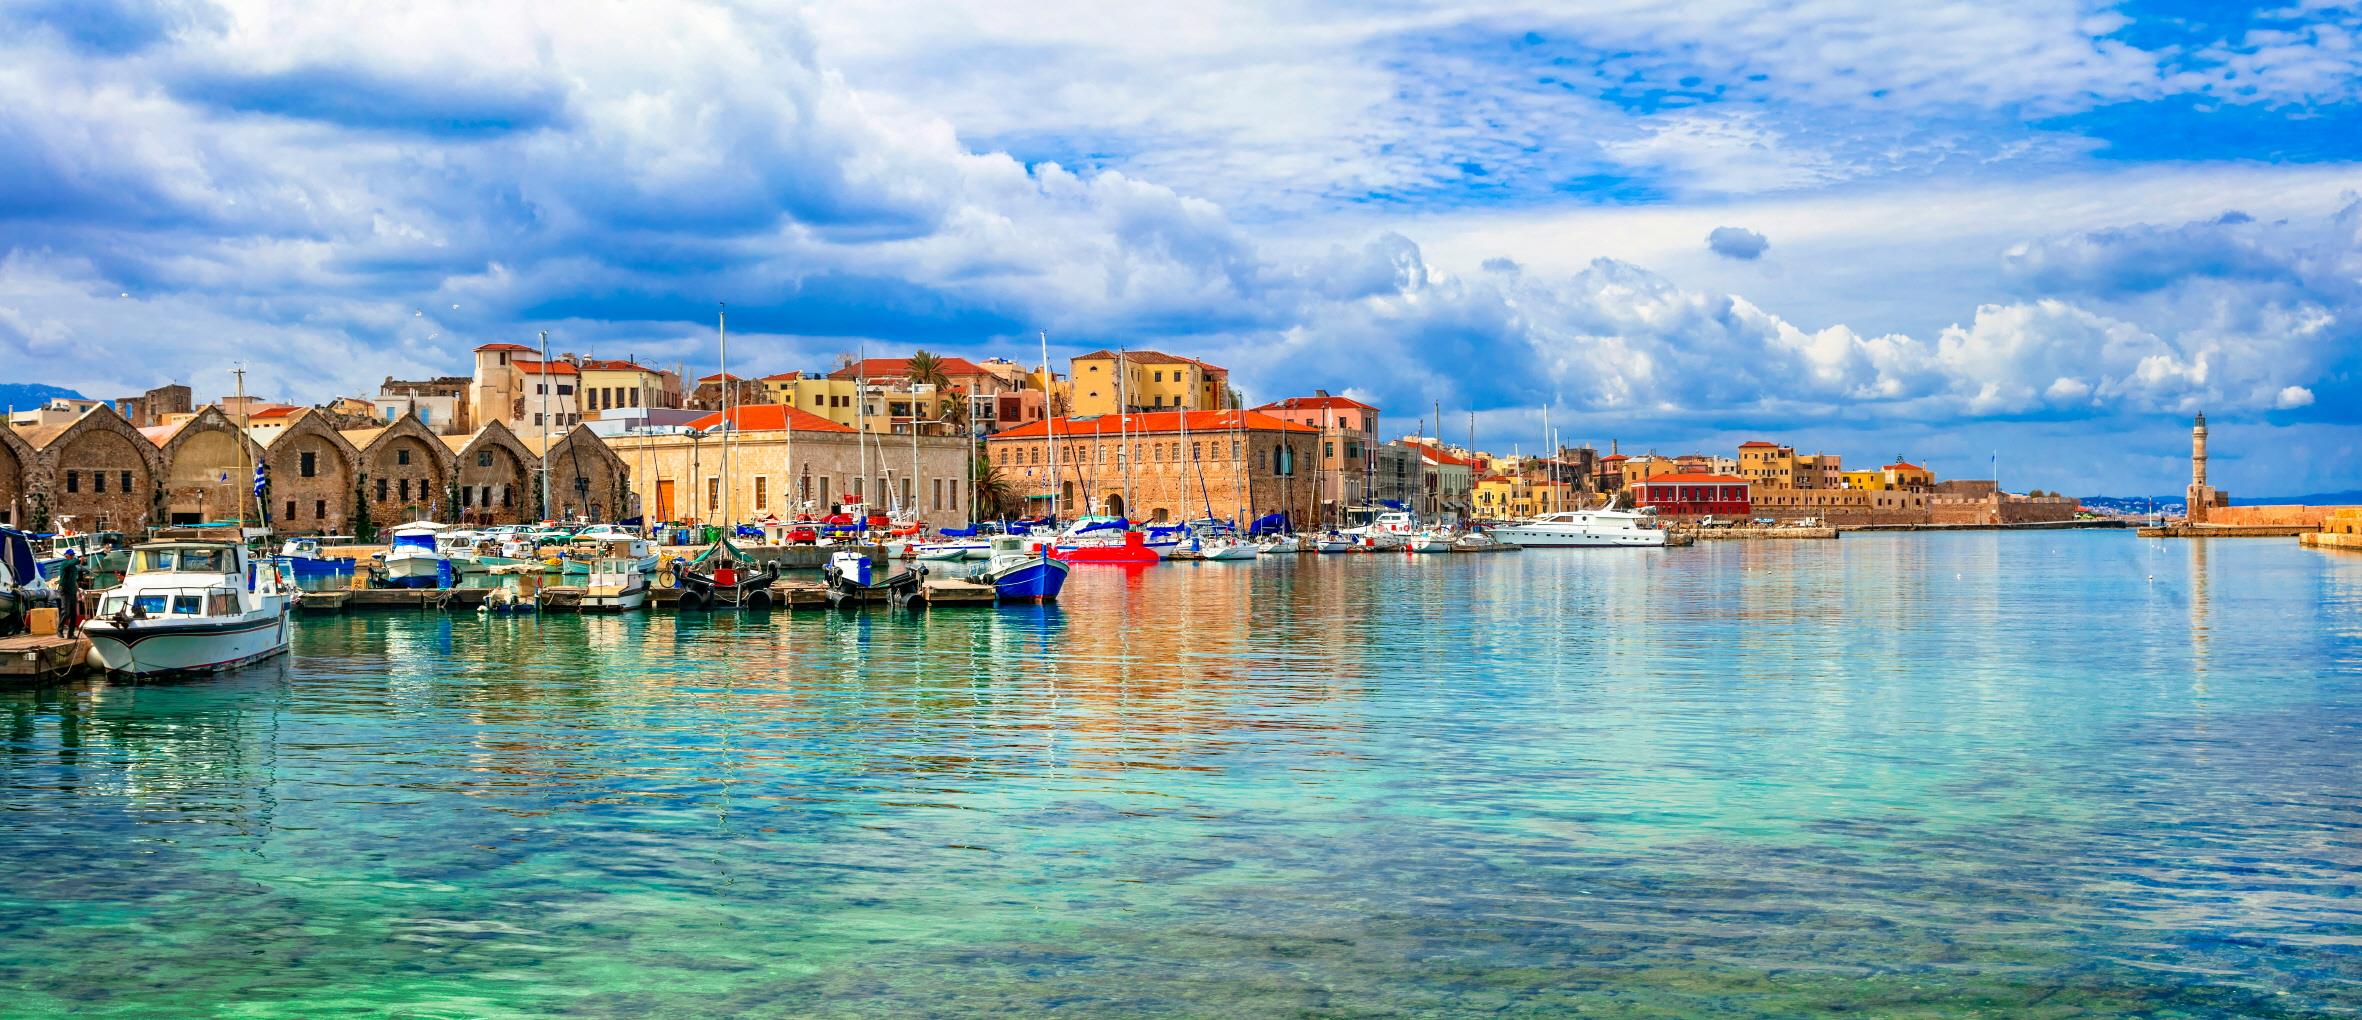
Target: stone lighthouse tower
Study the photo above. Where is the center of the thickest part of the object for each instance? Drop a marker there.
(2202, 497)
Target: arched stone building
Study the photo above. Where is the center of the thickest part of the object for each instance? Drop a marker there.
(495, 477)
(16, 462)
(585, 477)
(208, 469)
(96, 473)
(312, 472)
(404, 469)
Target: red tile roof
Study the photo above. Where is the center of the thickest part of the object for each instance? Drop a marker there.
(595, 365)
(770, 418)
(1616, 456)
(1152, 422)
(1439, 457)
(538, 368)
(899, 368)
(504, 347)
(783, 377)
(1693, 478)
(718, 378)
(1904, 465)
(273, 411)
(1316, 404)
(1758, 445)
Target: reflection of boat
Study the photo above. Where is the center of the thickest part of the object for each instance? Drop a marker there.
(721, 578)
(1133, 549)
(303, 555)
(852, 578)
(415, 559)
(1584, 528)
(21, 585)
(189, 606)
(1023, 571)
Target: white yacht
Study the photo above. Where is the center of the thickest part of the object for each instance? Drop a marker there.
(416, 558)
(190, 606)
(1607, 526)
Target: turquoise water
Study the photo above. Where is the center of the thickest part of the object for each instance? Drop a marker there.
(2056, 774)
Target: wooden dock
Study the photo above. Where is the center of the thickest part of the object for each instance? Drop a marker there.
(958, 591)
(40, 658)
(350, 599)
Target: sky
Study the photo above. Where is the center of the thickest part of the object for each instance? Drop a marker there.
(2000, 236)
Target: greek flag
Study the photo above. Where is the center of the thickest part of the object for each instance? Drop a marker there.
(262, 480)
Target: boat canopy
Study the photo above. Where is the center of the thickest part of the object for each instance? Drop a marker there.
(724, 546)
(16, 556)
(1270, 524)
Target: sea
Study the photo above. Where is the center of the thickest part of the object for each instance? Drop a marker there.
(2041, 774)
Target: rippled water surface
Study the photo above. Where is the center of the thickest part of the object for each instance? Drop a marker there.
(2056, 774)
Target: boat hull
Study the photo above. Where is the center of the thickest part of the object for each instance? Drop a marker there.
(1038, 581)
(150, 648)
(1526, 538)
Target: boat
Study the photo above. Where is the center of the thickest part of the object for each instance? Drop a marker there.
(1334, 542)
(1022, 571)
(1433, 540)
(587, 547)
(615, 584)
(853, 579)
(1475, 541)
(190, 606)
(1606, 526)
(1132, 550)
(1392, 529)
(1228, 549)
(22, 585)
(952, 549)
(416, 559)
(304, 556)
(719, 578)
(1278, 545)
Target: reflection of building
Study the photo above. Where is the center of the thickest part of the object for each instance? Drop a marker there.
(1233, 461)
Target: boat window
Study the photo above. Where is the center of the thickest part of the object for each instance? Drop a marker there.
(148, 605)
(201, 560)
(222, 604)
(111, 605)
(187, 605)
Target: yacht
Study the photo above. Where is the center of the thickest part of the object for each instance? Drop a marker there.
(416, 559)
(1607, 526)
(190, 606)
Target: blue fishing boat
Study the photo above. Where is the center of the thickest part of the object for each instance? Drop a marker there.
(303, 555)
(1022, 571)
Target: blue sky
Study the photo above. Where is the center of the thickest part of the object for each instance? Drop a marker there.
(2047, 231)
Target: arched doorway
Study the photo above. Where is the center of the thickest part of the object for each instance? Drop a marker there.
(1114, 504)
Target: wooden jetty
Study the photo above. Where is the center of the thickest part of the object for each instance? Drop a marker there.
(37, 658)
(957, 591)
(348, 599)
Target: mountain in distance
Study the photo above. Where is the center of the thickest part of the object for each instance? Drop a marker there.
(26, 396)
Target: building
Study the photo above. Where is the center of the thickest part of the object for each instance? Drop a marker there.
(208, 469)
(55, 411)
(1447, 479)
(1398, 476)
(495, 477)
(1516, 497)
(512, 386)
(314, 475)
(610, 386)
(1109, 382)
(1693, 496)
(1348, 445)
(91, 473)
(148, 409)
(441, 403)
(783, 461)
(838, 400)
(1236, 464)
(743, 392)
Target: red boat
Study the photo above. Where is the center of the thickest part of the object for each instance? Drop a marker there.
(1133, 551)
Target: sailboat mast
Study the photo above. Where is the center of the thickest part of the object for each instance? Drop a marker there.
(1050, 412)
(722, 334)
(543, 368)
(1123, 422)
(861, 428)
(240, 372)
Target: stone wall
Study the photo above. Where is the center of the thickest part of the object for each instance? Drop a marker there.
(405, 469)
(1839, 507)
(208, 471)
(99, 471)
(2287, 514)
(587, 479)
(2001, 508)
(311, 470)
(15, 463)
(496, 478)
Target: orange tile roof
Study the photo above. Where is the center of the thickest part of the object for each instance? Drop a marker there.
(613, 365)
(1155, 358)
(898, 368)
(504, 347)
(1153, 422)
(1693, 478)
(719, 377)
(1315, 404)
(782, 377)
(542, 368)
(1758, 444)
(770, 418)
(1904, 465)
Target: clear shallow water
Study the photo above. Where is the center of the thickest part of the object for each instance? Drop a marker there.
(1903, 775)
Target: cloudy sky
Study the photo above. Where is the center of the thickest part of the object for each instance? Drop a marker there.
(2047, 230)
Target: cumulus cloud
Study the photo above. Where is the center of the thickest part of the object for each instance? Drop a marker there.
(1737, 243)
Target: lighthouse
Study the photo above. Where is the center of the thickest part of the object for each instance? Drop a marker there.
(2202, 497)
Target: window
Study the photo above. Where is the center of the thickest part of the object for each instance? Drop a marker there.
(101, 477)
(381, 490)
(307, 464)
(401, 456)
(762, 492)
(1328, 450)
(825, 491)
(1234, 451)
(392, 413)
(319, 509)
(290, 510)
(426, 416)
(565, 390)
(508, 496)
(537, 418)
(73, 481)
(406, 488)
(935, 494)
(713, 493)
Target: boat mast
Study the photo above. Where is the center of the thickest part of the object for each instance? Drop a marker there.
(861, 431)
(1050, 412)
(240, 372)
(543, 368)
(722, 335)
(1123, 423)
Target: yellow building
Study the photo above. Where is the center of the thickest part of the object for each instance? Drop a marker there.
(1507, 497)
(837, 400)
(1105, 382)
(609, 385)
(1900, 476)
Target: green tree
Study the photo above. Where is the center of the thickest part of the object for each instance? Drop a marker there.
(993, 495)
(364, 529)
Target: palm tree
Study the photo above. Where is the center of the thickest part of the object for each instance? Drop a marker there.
(925, 369)
(992, 490)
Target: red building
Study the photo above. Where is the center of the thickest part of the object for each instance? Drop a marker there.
(1694, 495)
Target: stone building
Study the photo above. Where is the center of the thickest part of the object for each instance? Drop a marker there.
(403, 470)
(586, 477)
(495, 477)
(1241, 464)
(95, 472)
(783, 461)
(152, 408)
(1348, 443)
(313, 471)
(16, 462)
(2202, 499)
(208, 469)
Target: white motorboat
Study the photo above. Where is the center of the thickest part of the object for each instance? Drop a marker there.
(1335, 543)
(190, 606)
(1475, 541)
(1432, 541)
(1228, 549)
(416, 558)
(1607, 526)
(1281, 545)
(616, 584)
(1391, 530)
(953, 549)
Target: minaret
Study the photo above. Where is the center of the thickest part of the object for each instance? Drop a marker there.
(2200, 496)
